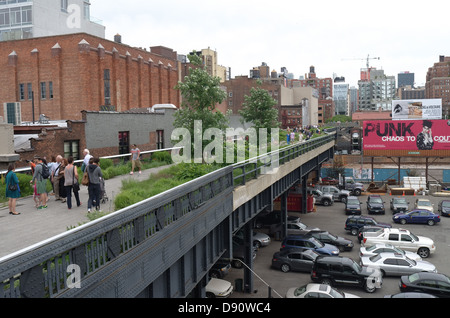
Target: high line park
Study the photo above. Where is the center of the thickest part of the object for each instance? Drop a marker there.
(162, 246)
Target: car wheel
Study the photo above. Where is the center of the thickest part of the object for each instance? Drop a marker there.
(285, 268)
(236, 263)
(430, 222)
(423, 252)
(326, 281)
(370, 288)
(326, 203)
(354, 231)
(403, 221)
(344, 199)
(257, 244)
(357, 192)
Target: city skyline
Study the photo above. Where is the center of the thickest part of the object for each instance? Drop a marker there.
(335, 37)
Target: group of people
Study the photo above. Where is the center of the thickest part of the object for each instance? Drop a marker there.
(63, 175)
(307, 131)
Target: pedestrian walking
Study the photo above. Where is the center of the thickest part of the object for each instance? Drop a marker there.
(71, 183)
(94, 190)
(12, 189)
(40, 183)
(135, 159)
(62, 189)
(87, 157)
(55, 177)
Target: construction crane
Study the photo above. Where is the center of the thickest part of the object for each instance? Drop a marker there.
(365, 59)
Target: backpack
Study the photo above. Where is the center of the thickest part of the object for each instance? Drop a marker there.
(45, 172)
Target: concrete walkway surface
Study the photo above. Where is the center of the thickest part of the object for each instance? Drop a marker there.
(33, 226)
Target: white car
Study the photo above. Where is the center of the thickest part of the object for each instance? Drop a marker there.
(383, 248)
(317, 291)
(424, 204)
(218, 288)
(393, 264)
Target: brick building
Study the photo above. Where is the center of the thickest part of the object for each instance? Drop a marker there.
(438, 84)
(67, 74)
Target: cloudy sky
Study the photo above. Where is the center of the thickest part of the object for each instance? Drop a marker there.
(334, 36)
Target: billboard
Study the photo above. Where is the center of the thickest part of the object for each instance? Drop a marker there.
(417, 109)
(406, 135)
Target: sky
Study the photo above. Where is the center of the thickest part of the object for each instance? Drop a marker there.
(335, 37)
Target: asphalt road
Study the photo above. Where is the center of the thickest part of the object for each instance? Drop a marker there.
(332, 219)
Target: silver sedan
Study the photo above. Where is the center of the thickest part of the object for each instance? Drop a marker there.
(393, 264)
(383, 248)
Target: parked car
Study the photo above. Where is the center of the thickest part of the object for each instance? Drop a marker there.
(326, 237)
(259, 239)
(309, 243)
(317, 291)
(353, 206)
(320, 197)
(355, 222)
(367, 228)
(220, 269)
(398, 204)
(423, 204)
(393, 264)
(431, 283)
(337, 270)
(338, 195)
(410, 295)
(266, 219)
(298, 228)
(444, 207)
(375, 204)
(218, 288)
(417, 216)
(294, 259)
(387, 248)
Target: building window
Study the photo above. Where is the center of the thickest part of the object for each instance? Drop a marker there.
(64, 5)
(50, 90)
(30, 91)
(43, 90)
(86, 10)
(107, 81)
(160, 139)
(72, 148)
(22, 91)
(124, 143)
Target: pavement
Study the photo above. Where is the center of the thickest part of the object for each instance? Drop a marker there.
(33, 226)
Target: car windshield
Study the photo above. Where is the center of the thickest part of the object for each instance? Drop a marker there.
(446, 204)
(319, 193)
(424, 203)
(414, 237)
(317, 243)
(376, 200)
(336, 294)
(356, 267)
(400, 201)
(353, 201)
(300, 290)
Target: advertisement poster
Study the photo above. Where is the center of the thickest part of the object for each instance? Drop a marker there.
(417, 109)
(406, 135)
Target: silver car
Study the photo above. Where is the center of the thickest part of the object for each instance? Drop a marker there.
(387, 248)
(393, 264)
(298, 228)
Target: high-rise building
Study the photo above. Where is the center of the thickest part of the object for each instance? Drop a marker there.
(24, 19)
(405, 79)
(340, 96)
(438, 84)
(376, 91)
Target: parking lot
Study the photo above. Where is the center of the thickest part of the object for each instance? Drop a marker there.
(332, 219)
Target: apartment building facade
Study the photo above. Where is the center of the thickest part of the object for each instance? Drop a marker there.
(438, 84)
(377, 91)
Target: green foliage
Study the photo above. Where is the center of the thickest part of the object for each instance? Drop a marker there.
(162, 156)
(258, 108)
(106, 163)
(341, 118)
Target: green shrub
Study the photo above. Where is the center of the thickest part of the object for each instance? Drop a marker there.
(162, 156)
(106, 163)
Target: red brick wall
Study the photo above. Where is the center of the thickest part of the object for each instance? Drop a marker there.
(138, 78)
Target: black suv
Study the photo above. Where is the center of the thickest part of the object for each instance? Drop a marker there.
(355, 222)
(338, 270)
(375, 204)
(353, 206)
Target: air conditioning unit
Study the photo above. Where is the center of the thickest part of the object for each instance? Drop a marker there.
(12, 113)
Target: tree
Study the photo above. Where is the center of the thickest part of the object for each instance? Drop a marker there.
(200, 94)
(258, 109)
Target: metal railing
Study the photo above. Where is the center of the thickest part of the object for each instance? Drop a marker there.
(41, 269)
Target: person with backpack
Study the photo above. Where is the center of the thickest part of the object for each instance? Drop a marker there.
(40, 176)
(12, 189)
